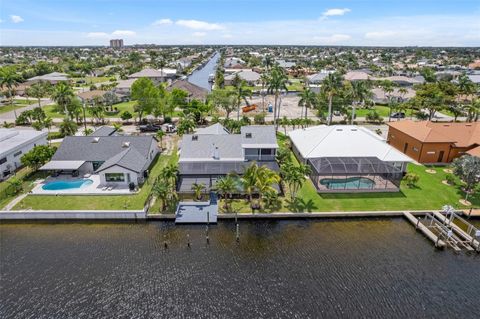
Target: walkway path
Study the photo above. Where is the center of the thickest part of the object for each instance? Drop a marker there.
(14, 202)
(10, 116)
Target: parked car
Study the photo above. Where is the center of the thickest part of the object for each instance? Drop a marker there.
(398, 115)
(149, 128)
(169, 128)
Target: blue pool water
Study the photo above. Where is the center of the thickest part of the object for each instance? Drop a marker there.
(60, 185)
(348, 183)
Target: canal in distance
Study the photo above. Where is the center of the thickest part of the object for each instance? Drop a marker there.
(357, 268)
(200, 77)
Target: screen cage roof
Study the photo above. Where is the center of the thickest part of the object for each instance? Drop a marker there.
(352, 165)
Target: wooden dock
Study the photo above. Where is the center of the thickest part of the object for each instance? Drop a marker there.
(424, 229)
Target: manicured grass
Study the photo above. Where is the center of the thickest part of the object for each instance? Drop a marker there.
(17, 104)
(430, 193)
(99, 202)
(383, 111)
(27, 178)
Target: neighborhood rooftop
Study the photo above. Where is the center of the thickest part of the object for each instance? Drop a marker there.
(12, 138)
(343, 141)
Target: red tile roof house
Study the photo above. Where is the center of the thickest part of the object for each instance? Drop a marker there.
(434, 142)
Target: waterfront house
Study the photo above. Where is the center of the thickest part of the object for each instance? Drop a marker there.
(434, 142)
(348, 158)
(116, 160)
(157, 76)
(194, 91)
(14, 144)
(212, 153)
(251, 77)
(53, 78)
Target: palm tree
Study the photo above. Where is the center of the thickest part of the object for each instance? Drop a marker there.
(68, 127)
(276, 83)
(241, 93)
(249, 180)
(307, 99)
(267, 62)
(263, 80)
(37, 90)
(197, 189)
(48, 122)
(387, 87)
(265, 179)
(294, 176)
(360, 93)
(63, 95)
(186, 124)
(163, 192)
(284, 122)
(9, 79)
(225, 186)
(170, 174)
(331, 86)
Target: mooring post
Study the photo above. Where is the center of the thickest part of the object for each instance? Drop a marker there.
(188, 240)
(418, 221)
(165, 245)
(238, 233)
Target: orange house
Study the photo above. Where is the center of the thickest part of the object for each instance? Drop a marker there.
(434, 142)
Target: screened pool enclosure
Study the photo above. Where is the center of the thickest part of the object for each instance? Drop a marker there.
(356, 174)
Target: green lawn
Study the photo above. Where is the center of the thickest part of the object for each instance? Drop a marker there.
(23, 174)
(99, 202)
(430, 193)
(17, 104)
(381, 110)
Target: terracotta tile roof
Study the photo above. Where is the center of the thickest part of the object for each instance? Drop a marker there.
(461, 134)
(475, 151)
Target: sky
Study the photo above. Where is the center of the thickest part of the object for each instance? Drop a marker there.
(269, 22)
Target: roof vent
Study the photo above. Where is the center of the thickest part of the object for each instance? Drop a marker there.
(354, 129)
(339, 129)
(248, 135)
(216, 154)
(126, 144)
(96, 139)
(194, 137)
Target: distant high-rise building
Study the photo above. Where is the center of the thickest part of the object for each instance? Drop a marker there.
(116, 43)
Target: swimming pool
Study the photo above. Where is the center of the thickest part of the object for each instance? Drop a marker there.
(61, 185)
(348, 183)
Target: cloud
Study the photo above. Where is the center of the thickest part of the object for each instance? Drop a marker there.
(16, 19)
(162, 22)
(380, 34)
(124, 33)
(199, 34)
(332, 39)
(199, 25)
(97, 35)
(335, 12)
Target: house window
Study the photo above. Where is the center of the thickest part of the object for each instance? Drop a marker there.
(430, 153)
(3, 160)
(266, 151)
(114, 177)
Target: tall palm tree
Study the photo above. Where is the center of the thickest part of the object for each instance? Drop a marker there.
(241, 94)
(9, 80)
(37, 90)
(331, 85)
(225, 186)
(276, 83)
(307, 99)
(160, 134)
(267, 62)
(266, 178)
(360, 93)
(170, 174)
(48, 122)
(249, 180)
(387, 87)
(163, 192)
(68, 127)
(263, 80)
(63, 95)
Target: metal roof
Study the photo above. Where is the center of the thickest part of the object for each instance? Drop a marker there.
(62, 165)
(352, 165)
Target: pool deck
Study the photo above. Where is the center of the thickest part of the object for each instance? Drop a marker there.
(93, 189)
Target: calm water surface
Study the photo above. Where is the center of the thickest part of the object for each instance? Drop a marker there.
(288, 269)
(200, 76)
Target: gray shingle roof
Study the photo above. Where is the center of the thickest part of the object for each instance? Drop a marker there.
(220, 168)
(216, 128)
(130, 159)
(83, 148)
(103, 131)
(261, 136)
(201, 149)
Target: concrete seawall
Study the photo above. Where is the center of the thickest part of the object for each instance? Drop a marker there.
(73, 215)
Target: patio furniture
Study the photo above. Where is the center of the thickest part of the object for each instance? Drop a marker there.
(87, 175)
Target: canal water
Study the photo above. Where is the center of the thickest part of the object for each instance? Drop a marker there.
(200, 77)
(379, 268)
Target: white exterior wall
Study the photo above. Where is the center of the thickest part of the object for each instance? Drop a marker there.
(118, 169)
(14, 162)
